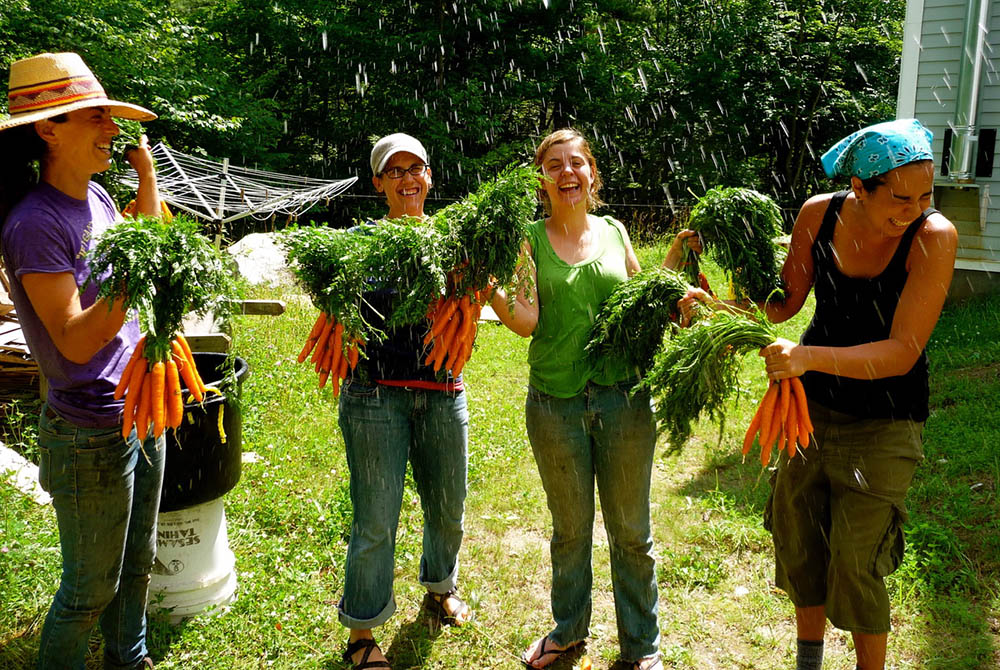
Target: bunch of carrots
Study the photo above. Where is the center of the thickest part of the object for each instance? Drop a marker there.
(152, 388)
(332, 351)
(782, 418)
(453, 329)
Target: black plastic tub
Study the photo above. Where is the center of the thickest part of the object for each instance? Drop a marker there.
(203, 462)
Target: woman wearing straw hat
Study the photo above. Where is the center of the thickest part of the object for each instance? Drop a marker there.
(105, 490)
(880, 260)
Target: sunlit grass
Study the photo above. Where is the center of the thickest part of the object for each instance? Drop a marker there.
(289, 519)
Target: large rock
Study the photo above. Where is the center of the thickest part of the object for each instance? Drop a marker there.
(261, 260)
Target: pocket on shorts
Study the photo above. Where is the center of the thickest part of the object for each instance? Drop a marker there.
(769, 504)
(889, 553)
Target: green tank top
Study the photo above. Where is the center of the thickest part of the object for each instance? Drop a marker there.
(569, 298)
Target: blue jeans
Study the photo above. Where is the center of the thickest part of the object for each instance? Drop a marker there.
(106, 494)
(383, 428)
(601, 434)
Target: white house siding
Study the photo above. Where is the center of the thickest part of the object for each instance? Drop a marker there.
(934, 105)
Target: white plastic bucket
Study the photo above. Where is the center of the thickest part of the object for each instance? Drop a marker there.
(194, 568)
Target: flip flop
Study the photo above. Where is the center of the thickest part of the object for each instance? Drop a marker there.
(369, 645)
(543, 651)
(434, 603)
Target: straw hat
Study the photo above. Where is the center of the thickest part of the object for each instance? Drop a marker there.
(48, 85)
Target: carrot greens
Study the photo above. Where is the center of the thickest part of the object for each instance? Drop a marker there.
(738, 226)
(635, 316)
(164, 271)
(697, 369)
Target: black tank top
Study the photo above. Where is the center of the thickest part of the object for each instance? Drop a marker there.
(856, 310)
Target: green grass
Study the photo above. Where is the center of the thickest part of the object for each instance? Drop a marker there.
(289, 518)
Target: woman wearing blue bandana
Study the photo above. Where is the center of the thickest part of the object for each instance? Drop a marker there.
(880, 261)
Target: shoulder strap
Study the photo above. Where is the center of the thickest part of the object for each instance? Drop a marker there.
(830, 216)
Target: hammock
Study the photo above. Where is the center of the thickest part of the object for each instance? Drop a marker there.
(222, 193)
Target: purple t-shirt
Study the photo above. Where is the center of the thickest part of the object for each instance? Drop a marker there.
(50, 232)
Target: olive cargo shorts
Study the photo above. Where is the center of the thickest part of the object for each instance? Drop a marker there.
(836, 516)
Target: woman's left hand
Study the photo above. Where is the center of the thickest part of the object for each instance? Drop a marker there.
(784, 358)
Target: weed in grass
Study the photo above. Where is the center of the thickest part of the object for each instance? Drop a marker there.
(934, 559)
(19, 426)
(692, 569)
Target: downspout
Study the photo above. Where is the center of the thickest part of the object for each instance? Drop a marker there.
(961, 167)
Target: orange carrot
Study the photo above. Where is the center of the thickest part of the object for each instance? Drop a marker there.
(142, 415)
(313, 336)
(775, 433)
(157, 379)
(803, 406)
(175, 402)
(338, 341)
(792, 425)
(343, 366)
(132, 398)
(186, 369)
(753, 427)
(446, 340)
(768, 402)
(463, 358)
(443, 314)
(127, 372)
(321, 343)
(784, 397)
(190, 356)
(352, 355)
(765, 454)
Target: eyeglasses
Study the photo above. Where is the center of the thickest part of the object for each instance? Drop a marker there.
(397, 172)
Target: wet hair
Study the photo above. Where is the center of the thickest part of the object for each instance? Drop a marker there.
(23, 153)
(562, 136)
(873, 183)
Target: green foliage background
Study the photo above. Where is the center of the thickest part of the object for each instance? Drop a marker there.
(677, 96)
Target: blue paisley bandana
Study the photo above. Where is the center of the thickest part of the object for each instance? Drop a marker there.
(877, 149)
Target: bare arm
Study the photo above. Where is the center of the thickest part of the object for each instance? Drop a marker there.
(931, 264)
(797, 272)
(631, 260)
(77, 333)
(524, 317)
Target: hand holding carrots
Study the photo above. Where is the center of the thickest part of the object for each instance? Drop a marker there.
(782, 417)
(333, 351)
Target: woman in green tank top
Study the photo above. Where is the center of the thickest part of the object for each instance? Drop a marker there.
(583, 425)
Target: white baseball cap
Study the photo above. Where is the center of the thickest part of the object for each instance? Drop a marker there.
(393, 144)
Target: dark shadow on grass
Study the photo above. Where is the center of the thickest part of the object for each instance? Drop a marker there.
(409, 648)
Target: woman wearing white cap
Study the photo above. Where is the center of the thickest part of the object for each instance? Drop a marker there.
(880, 260)
(395, 409)
(105, 492)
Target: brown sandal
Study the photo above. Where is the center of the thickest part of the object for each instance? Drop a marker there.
(369, 645)
(434, 603)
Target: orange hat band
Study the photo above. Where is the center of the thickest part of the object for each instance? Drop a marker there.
(53, 94)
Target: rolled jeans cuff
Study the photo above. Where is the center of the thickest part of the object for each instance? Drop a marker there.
(366, 624)
(449, 583)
